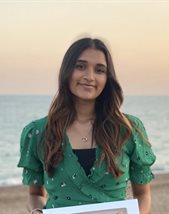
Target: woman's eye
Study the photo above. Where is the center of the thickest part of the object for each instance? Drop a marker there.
(100, 70)
(80, 66)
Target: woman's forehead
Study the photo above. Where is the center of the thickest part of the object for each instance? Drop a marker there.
(93, 55)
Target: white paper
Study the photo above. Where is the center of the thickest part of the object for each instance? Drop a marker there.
(118, 207)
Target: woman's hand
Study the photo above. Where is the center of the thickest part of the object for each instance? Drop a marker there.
(37, 212)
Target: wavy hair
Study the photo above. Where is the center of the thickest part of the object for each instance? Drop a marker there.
(111, 128)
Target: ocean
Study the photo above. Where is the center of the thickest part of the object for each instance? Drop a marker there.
(17, 111)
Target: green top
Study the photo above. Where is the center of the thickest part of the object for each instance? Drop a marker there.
(70, 185)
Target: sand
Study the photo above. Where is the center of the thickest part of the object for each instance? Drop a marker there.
(13, 200)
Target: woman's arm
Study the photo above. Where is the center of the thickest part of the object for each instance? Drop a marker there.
(143, 194)
(37, 198)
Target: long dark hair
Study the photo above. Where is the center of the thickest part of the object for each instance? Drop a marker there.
(109, 122)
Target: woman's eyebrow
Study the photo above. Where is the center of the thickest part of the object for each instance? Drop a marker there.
(84, 61)
(80, 60)
(102, 65)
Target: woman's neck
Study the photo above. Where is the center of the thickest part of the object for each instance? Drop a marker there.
(84, 111)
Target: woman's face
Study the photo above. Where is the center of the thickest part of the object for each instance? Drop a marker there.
(89, 75)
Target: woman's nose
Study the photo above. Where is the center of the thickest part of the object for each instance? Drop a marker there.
(89, 74)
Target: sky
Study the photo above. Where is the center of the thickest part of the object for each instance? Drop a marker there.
(34, 35)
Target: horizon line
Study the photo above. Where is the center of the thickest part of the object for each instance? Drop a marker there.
(51, 95)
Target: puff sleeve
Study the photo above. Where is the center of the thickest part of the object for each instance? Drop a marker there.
(29, 160)
(142, 156)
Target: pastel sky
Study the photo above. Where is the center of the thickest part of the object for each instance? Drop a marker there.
(34, 36)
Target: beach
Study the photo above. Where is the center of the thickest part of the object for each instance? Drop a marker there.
(13, 199)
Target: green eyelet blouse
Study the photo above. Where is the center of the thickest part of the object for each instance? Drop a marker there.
(69, 184)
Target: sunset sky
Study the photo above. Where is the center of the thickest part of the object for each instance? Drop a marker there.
(34, 36)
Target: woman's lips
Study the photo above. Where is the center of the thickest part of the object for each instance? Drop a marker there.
(87, 85)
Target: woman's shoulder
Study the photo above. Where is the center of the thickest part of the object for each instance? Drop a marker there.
(38, 124)
(34, 128)
(137, 126)
(134, 119)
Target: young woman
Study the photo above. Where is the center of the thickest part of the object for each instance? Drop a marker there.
(86, 149)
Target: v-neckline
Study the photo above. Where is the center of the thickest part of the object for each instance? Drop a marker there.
(69, 148)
